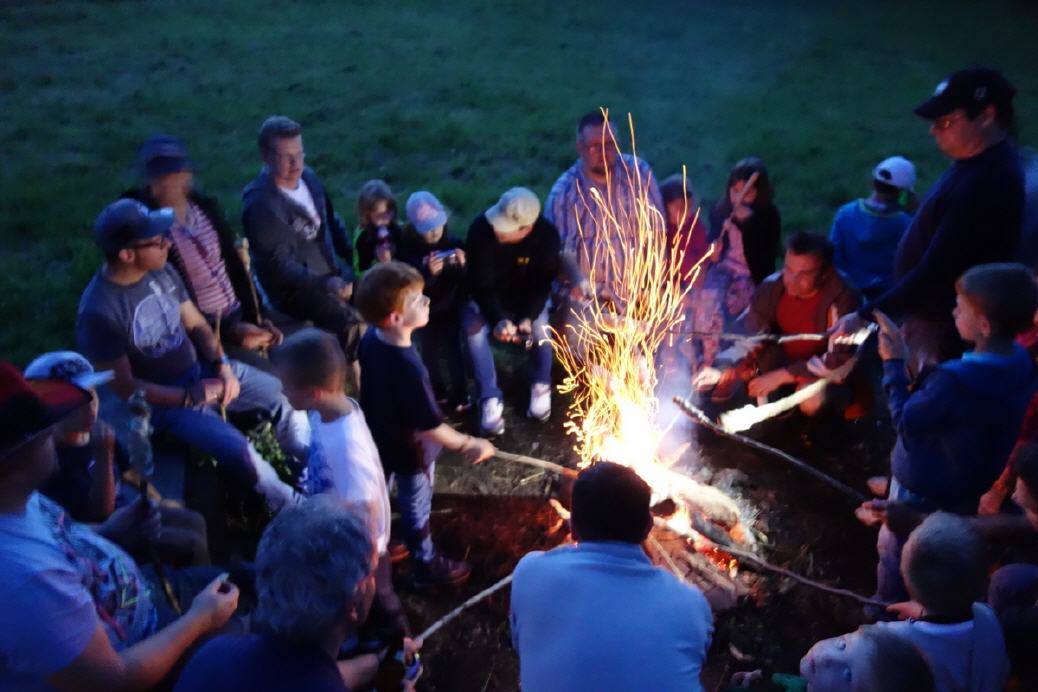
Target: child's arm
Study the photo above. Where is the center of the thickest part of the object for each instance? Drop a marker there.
(475, 449)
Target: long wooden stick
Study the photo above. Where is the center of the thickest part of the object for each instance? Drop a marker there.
(436, 626)
(539, 463)
(694, 413)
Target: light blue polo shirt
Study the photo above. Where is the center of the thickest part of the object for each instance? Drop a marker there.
(600, 616)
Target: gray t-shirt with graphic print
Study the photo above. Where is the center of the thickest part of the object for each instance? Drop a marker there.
(140, 321)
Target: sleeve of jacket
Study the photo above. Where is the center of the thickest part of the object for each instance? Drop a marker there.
(480, 261)
(924, 411)
(947, 256)
(545, 271)
(267, 235)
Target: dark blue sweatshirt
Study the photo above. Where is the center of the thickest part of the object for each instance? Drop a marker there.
(971, 215)
(955, 432)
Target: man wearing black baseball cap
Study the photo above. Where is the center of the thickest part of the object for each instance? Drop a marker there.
(78, 613)
(136, 319)
(972, 215)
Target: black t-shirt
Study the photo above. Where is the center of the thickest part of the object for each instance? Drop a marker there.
(257, 663)
(398, 401)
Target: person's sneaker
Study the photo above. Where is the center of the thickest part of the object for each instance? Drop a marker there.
(540, 402)
(398, 551)
(491, 417)
(440, 571)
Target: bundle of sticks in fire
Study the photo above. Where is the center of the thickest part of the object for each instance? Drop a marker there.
(609, 350)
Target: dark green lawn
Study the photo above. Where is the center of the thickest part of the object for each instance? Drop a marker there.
(463, 98)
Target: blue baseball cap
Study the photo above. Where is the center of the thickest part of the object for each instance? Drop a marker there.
(126, 221)
(163, 154)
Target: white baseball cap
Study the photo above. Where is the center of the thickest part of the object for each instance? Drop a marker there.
(69, 366)
(897, 171)
(517, 208)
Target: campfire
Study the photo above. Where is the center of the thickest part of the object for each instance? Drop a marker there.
(609, 351)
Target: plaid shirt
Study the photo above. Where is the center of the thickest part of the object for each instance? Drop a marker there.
(573, 209)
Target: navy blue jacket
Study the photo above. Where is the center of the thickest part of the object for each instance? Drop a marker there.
(293, 259)
(955, 432)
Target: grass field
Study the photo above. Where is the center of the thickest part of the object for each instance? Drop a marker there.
(463, 98)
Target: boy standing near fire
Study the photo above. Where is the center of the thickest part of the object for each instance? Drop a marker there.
(397, 399)
(957, 427)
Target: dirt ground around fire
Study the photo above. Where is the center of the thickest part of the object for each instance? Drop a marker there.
(495, 513)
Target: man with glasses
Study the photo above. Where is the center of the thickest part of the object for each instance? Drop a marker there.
(136, 319)
(972, 215)
(296, 235)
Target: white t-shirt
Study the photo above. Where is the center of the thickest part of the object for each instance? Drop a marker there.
(301, 196)
(343, 460)
(964, 656)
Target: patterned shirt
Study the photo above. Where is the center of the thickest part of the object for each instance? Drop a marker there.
(575, 211)
(196, 254)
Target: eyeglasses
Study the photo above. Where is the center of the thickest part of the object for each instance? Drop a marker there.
(946, 121)
(161, 241)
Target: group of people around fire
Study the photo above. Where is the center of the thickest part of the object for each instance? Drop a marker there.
(358, 347)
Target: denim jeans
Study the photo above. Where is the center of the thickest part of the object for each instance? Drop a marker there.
(203, 428)
(414, 494)
(890, 587)
(477, 335)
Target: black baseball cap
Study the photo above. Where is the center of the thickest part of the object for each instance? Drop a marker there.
(974, 88)
(126, 221)
(163, 154)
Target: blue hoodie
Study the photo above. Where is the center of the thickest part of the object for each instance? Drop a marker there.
(955, 432)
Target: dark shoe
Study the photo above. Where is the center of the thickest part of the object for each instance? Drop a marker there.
(398, 551)
(440, 571)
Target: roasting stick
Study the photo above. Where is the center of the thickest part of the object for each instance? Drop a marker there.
(436, 626)
(692, 412)
(539, 463)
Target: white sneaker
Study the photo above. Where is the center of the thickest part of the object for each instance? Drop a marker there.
(490, 418)
(540, 402)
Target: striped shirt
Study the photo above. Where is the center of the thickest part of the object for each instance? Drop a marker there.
(196, 254)
(574, 210)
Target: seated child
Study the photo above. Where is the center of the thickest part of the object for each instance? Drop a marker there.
(428, 247)
(957, 427)
(685, 223)
(871, 659)
(342, 459)
(406, 424)
(378, 234)
(945, 567)
(90, 461)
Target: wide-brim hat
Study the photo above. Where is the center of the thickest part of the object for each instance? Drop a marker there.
(31, 409)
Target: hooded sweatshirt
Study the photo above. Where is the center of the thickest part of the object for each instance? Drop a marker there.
(965, 656)
(956, 430)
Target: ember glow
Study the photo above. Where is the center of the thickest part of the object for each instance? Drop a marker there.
(610, 346)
